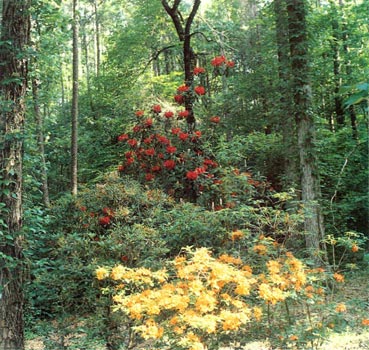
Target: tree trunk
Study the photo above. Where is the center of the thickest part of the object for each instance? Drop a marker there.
(40, 143)
(285, 111)
(310, 185)
(13, 83)
(74, 138)
(97, 38)
(183, 29)
(336, 36)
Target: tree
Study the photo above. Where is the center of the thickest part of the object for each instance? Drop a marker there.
(13, 79)
(74, 139)
(310, 185)
(183, 29)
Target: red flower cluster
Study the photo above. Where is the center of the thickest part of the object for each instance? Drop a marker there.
(200, 90)
(215, 119)
(198, 70)
(156, 108)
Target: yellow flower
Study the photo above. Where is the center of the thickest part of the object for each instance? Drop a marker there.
(341, 307)
(235, 235)
(260, 249)
(101, 273)
(338, 277)
(206, 302)
(118, 272)
(271, 294)
(273, 266)
(230, 259)
(258, 313)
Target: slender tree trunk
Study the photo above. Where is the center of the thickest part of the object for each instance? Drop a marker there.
(97, 38)
(285, 110)
(183, 29)
(336, 37)
(15, 28)
(348, 69)
(74, 138)
(40, 143)
(310, 185)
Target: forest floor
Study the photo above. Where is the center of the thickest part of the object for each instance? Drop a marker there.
(355, 294)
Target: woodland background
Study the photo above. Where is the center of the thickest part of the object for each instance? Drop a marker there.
(98, 73)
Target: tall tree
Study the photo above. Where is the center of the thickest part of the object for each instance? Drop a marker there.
(74, 139)
(15, 29)
(284, 111)
(310, 185)
(183, 28)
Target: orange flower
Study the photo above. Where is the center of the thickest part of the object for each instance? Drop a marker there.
(365, 322)
(238, 234)
(338, 277)
(294, 337)
(341, 307)
(260, 249)
(354, 248)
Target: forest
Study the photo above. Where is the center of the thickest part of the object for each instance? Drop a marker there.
(184, 174)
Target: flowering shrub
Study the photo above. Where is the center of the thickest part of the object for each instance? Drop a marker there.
(202, 302)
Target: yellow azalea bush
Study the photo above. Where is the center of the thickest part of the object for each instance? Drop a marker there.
(201, 301)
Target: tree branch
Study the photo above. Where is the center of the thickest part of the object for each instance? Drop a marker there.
(176, 17)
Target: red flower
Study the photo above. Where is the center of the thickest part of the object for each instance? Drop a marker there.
(198, 70)
(192, 175)
(107, 211)
(176, 131)
(179, 99)
(139, 113)
(160, 155)
(148, 140)
(200, 170)
(130, 161)
(215, 119)
(150, 151)
(230, 64)
(162, 139)
(218, 61)
(124, 258)
(128, 154)
(198, 133)
(183, 88)
(104, 220)
(200, 90)
(209, 162)
(183, 136)
(148, 122)
(155, 168)
(120, 168)
(136, 128)
(82, 208)
(132, 142)
(171, 149)
(183, 114)
(170, 164)
(168, 114)
(122, 137)
(156, 108)
(149, 177)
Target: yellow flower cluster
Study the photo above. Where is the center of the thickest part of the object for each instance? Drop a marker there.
(203, 295)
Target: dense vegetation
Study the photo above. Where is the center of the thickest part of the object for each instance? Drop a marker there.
(212, 138)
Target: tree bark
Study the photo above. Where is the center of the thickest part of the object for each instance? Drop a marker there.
(40, 143)
(15, 31)
(97, 38)
(74, 137)
(310, 184)
(285, 110)
(183, 29)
